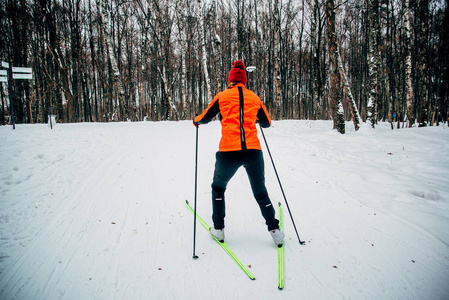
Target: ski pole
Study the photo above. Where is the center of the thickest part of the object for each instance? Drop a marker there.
(196, 173)
(282, 190)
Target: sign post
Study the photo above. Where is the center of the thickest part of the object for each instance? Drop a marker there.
(11, 99)
(13, 73)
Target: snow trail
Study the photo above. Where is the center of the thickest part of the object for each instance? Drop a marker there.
(96, 211)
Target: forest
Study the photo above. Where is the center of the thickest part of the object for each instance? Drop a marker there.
(133, 60)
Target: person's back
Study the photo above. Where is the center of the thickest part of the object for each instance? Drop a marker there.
(240, 108)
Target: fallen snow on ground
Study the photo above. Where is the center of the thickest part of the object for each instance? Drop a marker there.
(97, 211)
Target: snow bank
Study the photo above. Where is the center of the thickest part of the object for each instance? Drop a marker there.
(96, 211)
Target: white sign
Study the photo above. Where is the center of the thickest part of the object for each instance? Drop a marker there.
(5, 64)
(3, 79)
(3, 73)
(22, 76)
(21, 70)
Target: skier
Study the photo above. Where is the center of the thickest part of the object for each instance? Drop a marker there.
(239, 110)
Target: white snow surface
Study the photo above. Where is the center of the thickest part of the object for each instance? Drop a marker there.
(97, 211)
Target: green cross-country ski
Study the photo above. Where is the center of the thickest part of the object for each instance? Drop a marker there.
(223, 245)
(280, 255)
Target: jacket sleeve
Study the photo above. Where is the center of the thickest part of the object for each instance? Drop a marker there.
(263, 117)
(211, 111)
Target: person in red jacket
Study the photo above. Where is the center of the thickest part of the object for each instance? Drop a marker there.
(240, 110)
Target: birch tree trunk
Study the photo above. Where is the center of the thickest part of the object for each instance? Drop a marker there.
(203, 48)
(183, 48)
(315, 58)
(352, 105)
(408, 65)
(335, 82)
(216, 48)
(93, 63)
(277, 59)
(110, 51)
(373, 14)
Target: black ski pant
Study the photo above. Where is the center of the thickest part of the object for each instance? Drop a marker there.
(226, 165)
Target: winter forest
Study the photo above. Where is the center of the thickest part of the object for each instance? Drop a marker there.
(133, 60)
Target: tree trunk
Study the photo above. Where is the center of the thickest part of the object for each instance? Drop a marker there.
(277, 59)
(203, 48)
(408, 65)
(182, 40)
(315, 59)
(352, 104)
(172, 107)
(373, 60)
(335, 82)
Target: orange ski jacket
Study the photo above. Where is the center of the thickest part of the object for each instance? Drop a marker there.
(240, 109)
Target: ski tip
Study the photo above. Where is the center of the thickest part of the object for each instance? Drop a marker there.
(187, 202)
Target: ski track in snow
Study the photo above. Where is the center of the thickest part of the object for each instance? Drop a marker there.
(96, 211)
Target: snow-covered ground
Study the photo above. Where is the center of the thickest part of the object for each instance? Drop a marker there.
(97, 211)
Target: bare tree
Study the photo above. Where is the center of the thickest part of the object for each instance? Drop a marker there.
(204, 51)
(352, 105)
(373, 60)
(314, 8)
(408, 64)
(277, 59)
(182, 41)
(335, 82)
